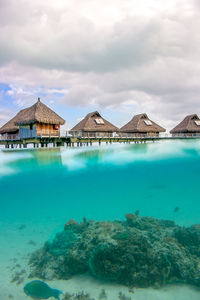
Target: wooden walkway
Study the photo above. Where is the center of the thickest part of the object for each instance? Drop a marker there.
(79, 142)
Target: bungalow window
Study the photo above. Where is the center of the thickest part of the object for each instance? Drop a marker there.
(148, 122)
(99, 121)
(31, 126)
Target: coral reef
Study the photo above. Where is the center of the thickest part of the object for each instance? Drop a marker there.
(61, 243)
(137, 252)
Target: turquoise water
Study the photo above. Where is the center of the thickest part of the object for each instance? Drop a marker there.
(42, 189)
(101, 183)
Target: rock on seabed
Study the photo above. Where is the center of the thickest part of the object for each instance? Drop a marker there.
(140, 252)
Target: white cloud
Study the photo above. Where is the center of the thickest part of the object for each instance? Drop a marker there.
(118, 54)
(5, 115)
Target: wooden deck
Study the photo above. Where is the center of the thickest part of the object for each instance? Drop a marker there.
(74, 141)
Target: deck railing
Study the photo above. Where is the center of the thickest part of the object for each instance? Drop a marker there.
(186, 135)
(9, 137)
(48, 133)
(51, 133)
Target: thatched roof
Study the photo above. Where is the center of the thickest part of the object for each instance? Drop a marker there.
(41, 113)
(141, 123)
(10, 125)
(91, 123)
(189, 124)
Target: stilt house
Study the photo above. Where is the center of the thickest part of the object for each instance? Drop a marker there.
(94, 126)
(39, 121)
(141, 126)
(189, 127)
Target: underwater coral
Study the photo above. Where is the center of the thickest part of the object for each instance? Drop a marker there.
(136, 252)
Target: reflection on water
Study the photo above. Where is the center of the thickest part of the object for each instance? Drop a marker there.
(50, 157)
(79, 158)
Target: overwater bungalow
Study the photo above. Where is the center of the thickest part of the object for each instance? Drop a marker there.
(32, 122)
(141, 126)
(94, 126)
(189, 127)
(39, 121)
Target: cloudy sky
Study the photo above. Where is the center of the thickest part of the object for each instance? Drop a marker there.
(121, 57)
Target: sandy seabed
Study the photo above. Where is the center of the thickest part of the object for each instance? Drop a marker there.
(18, 241)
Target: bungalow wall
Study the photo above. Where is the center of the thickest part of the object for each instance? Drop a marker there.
(186, 134)
(27, 131)
(38, 130)
(91, 134)
(139, 134)
(47, 130)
